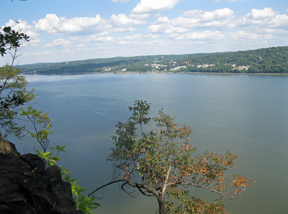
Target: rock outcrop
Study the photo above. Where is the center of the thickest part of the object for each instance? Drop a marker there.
(6, 147)
(27, 187)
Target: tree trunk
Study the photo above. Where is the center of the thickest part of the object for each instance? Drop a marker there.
(162, 209)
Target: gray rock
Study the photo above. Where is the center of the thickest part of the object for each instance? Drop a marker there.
(26, 187)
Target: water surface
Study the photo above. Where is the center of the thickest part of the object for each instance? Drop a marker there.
(245, 114)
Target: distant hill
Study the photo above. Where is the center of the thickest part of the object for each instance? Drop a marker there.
(265, 60)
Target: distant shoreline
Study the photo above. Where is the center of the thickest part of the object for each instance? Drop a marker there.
(267, 74)
(153, 72)
(251, 62)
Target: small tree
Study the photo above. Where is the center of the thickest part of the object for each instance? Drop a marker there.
(160, 163)
(13, 92)
(10, 39)
(13, 95)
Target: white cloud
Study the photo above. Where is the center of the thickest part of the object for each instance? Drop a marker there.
(265, 17)
(279, 20)
(100, 38)
(198, 18)
(104, 33)
(245, 35)
(48, 52)
(139, 15)
(127, 29)
(163, 19)
(32, 54)
(168, 29)
(122, 20)
(156, 28)
(133, 37)
(143, 32)
(147, 6)
(58, 42)
(208, 16)
(196, 25)
(105, 39)
(152, 36)
(173, 29)
(50, 22)
(68, 51)
(251, 36)
(260, 14)
(53, 24)
(32, 43)
(195, 20)
(202, 35)
(24, 27)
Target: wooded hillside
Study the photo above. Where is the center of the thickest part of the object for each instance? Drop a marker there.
(266, 60)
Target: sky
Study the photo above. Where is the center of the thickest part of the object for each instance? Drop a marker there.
(66, 30)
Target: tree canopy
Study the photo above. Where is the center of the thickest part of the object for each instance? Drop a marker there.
(160, 162)
(10, 39)
(13, 92)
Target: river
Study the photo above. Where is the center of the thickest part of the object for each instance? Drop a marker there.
(246, 114)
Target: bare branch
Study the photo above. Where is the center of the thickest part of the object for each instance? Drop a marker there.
(123, 188)
(139, 187)
(105, 185)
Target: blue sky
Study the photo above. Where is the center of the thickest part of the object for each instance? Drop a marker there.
(65, 30)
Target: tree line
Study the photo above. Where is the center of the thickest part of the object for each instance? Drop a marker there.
(265, 60)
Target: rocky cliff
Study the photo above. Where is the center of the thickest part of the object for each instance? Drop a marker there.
(28, 187)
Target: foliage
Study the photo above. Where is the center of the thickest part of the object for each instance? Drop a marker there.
(13, 94)
(84, 203)
(140, 111)
(42, 129)
(38, 118)
(161, 163)
(10, 39)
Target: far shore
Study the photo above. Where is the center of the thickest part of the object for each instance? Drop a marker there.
(155, 72)
(149, 72)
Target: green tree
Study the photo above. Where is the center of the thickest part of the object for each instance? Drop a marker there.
(13, 92)
(10, 39)
(41, 131)
(140, 111)
(161, 163)
(13, 96)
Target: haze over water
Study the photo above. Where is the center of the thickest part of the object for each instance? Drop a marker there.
(246, 114)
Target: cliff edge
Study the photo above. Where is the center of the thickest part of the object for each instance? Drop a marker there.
(28, 187)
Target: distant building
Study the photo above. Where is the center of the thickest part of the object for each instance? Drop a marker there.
(158, 65)
(177, 68)
(205, 65)
(242, 68)
(107, 69)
